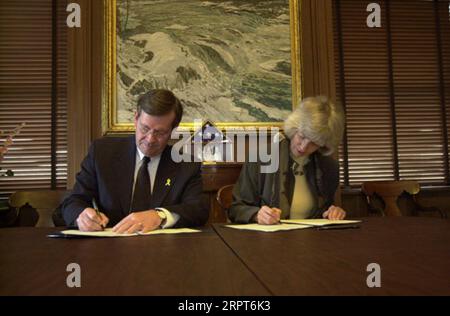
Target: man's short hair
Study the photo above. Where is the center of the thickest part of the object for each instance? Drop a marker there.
(159, 102)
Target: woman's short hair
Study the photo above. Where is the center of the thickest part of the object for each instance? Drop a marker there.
(319, 120)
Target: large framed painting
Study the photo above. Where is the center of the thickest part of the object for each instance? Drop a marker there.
(235, 63)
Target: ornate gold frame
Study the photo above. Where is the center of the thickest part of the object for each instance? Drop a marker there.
(110, 125)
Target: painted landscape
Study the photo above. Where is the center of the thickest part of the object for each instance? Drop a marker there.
(228, 61)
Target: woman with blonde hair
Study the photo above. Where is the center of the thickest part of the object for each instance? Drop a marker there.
(307, 178)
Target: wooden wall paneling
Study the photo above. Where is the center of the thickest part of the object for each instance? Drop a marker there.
(317, 51)
(79, 88)
(85, 55)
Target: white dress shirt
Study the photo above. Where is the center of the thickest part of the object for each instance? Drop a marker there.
(171, 218)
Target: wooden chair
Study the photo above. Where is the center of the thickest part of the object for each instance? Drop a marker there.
(225, 198)
(36, 208)
(390, 191)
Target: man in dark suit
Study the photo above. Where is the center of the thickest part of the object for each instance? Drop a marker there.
(134, 181)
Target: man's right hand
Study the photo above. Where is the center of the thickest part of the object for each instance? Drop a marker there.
(90, 221)
(268, 216)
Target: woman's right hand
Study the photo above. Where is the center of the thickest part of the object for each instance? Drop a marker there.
(268, 216)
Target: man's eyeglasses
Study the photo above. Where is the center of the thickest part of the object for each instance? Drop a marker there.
(145, 131)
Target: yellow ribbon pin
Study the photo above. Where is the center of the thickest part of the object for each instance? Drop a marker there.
(168, 183)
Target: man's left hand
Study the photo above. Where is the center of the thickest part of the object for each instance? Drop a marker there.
(334, 213)
(144, 221)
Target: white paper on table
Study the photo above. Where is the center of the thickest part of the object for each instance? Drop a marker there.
(319, 222)
(267, 228)
(109, 233)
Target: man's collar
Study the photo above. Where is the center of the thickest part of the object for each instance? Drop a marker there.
(141, 155)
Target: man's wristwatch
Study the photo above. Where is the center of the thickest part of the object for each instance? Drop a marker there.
(163, 217)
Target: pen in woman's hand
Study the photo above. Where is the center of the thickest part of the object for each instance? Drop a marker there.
(269, 205)
(94, 204)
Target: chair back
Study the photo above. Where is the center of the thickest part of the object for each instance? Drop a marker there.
(225, 197)
(389, 192)
(37, 207)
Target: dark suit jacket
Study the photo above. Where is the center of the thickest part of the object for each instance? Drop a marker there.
(255, 189)
(107, 175)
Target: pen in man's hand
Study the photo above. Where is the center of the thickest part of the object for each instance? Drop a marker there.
(94, 204)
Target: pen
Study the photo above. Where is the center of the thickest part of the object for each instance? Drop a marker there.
(343, 226)
(61, 235)
(269, 205)
(94, 204)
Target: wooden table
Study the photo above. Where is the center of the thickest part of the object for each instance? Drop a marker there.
(185, 264)
(413, 253)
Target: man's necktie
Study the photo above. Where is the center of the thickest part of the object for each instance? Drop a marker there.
(142, 192)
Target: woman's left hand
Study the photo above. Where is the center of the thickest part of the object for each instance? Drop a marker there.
(334, 213)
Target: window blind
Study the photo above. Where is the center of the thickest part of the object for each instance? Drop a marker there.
(394, 82)
(33, 83)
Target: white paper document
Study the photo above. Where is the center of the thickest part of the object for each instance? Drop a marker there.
(319, 222)
(109, 233)
(267, 228)
(291, 224)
